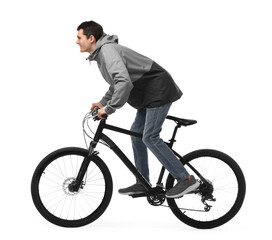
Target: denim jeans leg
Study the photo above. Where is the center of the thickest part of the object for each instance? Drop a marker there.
(139, 148)
(151, 138)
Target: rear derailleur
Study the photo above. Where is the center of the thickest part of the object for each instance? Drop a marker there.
(206, 190)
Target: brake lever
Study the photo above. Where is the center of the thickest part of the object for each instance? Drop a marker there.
(94, 113)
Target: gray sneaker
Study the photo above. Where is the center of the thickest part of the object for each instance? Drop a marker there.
(134, 189)
(182, 188)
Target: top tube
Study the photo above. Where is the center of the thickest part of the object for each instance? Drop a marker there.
(122, 130)
(103, 125)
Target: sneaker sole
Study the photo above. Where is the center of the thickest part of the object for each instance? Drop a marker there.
(189, 189)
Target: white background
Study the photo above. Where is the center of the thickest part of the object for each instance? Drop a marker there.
(218, 52)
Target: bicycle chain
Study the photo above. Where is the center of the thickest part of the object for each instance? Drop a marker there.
(184, 209)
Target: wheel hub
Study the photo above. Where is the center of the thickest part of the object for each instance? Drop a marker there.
(206, 188)
(67, 186)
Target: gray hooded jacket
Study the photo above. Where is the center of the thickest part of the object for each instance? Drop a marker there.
(132, 77)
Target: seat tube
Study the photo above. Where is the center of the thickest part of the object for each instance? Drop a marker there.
(159, 183)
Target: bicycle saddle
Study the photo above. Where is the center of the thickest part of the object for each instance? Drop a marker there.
(182, 121)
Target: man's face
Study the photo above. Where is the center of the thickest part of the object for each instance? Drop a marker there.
(86, 45)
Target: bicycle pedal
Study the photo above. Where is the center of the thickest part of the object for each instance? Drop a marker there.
(138, 195)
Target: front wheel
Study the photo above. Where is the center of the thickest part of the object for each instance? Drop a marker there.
(53, 197)
(220, 195)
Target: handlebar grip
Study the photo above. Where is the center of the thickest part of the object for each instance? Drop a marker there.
(104, 116)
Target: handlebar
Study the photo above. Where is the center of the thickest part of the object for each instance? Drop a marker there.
(94, 113)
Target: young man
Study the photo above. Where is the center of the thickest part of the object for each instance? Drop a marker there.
(146, 86)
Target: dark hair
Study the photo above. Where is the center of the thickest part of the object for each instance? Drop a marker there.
(91, 28)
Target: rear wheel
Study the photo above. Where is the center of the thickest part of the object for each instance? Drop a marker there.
(216, 201)
(52, 193)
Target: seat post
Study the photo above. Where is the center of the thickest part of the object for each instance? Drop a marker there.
(172, 140)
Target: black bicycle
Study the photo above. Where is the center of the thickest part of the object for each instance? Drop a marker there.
(72, 187)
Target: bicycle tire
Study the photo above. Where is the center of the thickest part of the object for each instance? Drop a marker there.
(51, 179)
(197, 219)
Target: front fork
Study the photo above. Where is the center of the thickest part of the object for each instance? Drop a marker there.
(78, 183)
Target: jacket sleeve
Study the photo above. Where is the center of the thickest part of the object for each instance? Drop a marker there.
(120, 81)
(107, 96)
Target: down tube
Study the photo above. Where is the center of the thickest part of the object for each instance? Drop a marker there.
(126, 161)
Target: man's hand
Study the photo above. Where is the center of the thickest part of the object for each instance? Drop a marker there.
(96, 105)
(101, 111)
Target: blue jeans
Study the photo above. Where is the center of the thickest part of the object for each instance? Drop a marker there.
(149, 122)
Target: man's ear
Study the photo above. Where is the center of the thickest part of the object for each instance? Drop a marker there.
(92, 39)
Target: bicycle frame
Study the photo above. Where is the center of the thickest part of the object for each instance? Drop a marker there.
(100, 135)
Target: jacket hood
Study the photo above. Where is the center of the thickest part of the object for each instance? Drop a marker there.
(105, 39)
